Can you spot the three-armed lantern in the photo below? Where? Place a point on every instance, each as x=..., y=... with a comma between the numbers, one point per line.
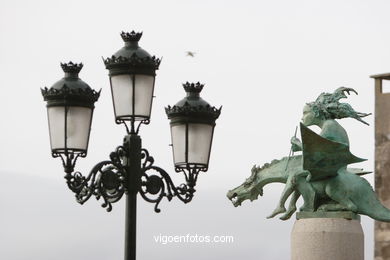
x=130, y=169
x=132, y=73
x=70, y=104
x=192, y=128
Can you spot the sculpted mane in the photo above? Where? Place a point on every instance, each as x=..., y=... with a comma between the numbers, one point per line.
x=327, y=106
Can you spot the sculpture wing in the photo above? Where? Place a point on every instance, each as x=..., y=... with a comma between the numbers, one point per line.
x=357, y=171
x=323, y=157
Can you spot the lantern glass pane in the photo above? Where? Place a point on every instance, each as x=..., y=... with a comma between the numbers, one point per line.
x=178, y=133
x=199, y=143
x=122, y=95
x=56, y=117
x=78, y=127
x=144, y=86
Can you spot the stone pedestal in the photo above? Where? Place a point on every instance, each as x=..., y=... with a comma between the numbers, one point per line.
x=327, y=238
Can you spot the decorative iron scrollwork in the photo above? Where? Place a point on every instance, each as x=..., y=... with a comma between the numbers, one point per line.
x=157, y=184
x=105, y=180
x=131, y=127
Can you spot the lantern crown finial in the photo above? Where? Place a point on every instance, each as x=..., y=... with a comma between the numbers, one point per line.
x=71, y=67
x=131, y=36
x=131, y=58
x=193, y=87
x=70, y=90
x=192, y=107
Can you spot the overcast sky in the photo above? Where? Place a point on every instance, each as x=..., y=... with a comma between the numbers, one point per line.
x=261, y=60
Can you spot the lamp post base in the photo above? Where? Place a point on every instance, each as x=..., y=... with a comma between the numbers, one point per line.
x=327, y=238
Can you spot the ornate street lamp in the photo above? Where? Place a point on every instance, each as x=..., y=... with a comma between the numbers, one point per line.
x=192, y=128
x=70, y=104
x=131, y=169
x=132, y=72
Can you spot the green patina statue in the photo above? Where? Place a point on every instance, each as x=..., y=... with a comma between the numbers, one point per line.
x=320, y=174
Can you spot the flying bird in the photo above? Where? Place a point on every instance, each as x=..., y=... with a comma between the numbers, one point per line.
x=191, y=53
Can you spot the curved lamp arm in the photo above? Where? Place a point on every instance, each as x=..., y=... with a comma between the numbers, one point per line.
x=105, y=180
x=157, y=184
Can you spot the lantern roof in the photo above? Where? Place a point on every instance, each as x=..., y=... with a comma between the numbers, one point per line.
x=70, y=90
x=131, y=58
x=193, y=108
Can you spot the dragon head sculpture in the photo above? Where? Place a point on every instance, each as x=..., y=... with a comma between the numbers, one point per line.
x=249, y=190
x=261, y=176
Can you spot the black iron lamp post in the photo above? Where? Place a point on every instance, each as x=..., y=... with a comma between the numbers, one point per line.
x=130, y=169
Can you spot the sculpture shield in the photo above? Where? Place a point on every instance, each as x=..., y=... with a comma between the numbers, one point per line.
x=323, y=157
